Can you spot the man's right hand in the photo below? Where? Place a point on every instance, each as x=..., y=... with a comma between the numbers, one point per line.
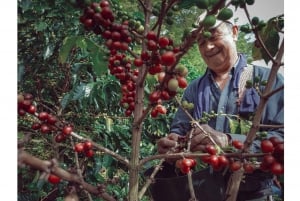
x=166, y=143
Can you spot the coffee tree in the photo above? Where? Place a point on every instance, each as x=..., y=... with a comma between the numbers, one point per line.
x=129, y=70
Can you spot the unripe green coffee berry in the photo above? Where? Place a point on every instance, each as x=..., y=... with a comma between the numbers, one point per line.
x=245, y=28
x=202, y=4
x=225, y=14
x=255, y=21
x=250, y=2
x=206, y=34
x=209, y=21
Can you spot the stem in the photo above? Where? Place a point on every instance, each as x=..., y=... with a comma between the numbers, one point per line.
x=137, y=125
x=151, y=178
x=25, y=158
x=196, y=155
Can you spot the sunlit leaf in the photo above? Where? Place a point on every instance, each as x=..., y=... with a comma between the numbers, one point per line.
x=234, y=126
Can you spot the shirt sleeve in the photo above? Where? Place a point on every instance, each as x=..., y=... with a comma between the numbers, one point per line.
x=181, y=122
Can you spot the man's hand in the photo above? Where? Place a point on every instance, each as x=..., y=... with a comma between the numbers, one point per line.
x=200, y=140
x=166, y=143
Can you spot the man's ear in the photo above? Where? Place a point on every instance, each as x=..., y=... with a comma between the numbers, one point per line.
x=235, y=32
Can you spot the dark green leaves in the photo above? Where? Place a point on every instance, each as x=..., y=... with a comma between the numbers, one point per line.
x=96, y=53
x=270, y=37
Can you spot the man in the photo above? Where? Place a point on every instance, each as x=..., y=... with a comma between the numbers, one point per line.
x=218, y=90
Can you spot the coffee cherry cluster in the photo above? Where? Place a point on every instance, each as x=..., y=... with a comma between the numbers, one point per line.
x=84, y=147
x=48, y=123
x=214, y=159
x=186, y=164
x=159, y=57
x=274, y=160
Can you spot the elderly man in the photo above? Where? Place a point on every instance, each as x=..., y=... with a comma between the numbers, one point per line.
x=219, y=90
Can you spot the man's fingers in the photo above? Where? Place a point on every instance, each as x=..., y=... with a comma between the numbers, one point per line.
x=199, y=147
x=165, y=144
x=197, y=140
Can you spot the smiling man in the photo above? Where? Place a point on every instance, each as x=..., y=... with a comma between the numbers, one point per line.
x=221, y=90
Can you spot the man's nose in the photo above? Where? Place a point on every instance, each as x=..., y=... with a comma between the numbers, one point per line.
x=209, y=45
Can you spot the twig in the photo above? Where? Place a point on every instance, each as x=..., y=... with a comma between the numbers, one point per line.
x=151, y=178
x=49, y=166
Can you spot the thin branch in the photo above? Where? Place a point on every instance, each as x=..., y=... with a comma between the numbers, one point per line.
x=151, y=178
x=268, y=95
x=25, y=158
x=195, y=155
x=258, y=36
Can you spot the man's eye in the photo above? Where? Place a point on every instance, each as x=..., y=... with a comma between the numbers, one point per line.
x=213, y=38
x=201, y=42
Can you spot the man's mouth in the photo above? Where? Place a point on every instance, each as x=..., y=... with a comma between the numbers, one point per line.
x=211, y=54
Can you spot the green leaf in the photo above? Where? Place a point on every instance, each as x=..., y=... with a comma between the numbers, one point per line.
x=40, y=26
x=234, y=126
x=68, y=44
x=256, y=53
x=186, y=4
x=270, y=37
x=65, y=100
x=99, y=64
x=245, y=126
x=107, y=161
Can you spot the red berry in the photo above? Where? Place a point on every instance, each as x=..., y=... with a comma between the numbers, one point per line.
x=51, y=119
x=67, y=130
x=205, y=159
x=53, y=179
x=182, y=82
x=45, y=128
x=237, y=144
x=248, y=167
x=43, y=116
x=268, y=160
x=168, y=58
x=214, y=161
x=266, y=146
x=279, y=149
x=36, y=126
x=185, y=169
x=152, y=45
x=104, y=3
x=79, y=147
x=21, y=112
x=236, y=165
x=223, y=161
x=138, y=62
x=187, y=162
x=89, y=153
x=275, y=140
x=31, y=109
x=60, y=138
x=88, y=145
x=154, y=113
x=163, y=41
x=151, y=35
x=161, y=109
x=277, y=169
x=211, y=149
x=154, y=96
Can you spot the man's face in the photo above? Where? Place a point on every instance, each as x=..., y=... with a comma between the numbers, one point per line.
x=219, y=51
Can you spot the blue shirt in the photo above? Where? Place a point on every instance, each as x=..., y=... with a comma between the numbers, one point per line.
x=204, y=93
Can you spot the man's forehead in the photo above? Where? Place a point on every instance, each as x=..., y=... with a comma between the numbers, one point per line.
x=217, y=30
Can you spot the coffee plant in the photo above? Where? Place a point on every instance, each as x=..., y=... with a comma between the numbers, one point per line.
x=95, y=94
